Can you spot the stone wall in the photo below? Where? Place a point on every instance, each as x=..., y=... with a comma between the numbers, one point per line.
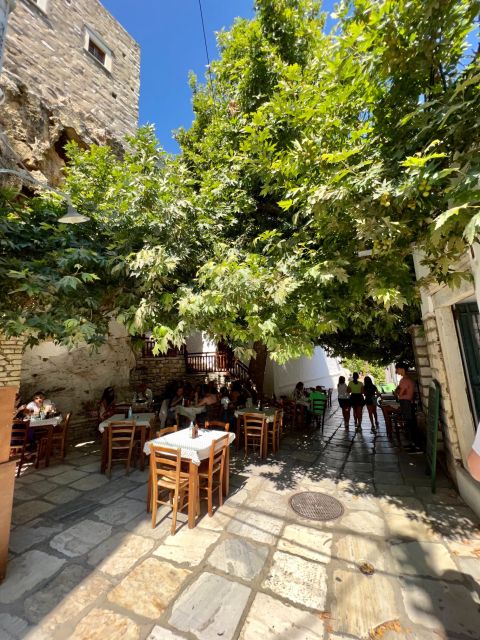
x=422, y=363
x=438, y=372
x=57, y=91
x=157, y=372
x=75, y=380
x=10, y=361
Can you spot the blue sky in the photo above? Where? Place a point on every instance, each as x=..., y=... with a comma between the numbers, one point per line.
x=170, y=35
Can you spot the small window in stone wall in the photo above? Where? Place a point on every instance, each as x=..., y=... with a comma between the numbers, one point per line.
x=98, y=49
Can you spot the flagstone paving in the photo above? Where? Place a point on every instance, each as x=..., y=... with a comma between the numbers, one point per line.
x=86, y=564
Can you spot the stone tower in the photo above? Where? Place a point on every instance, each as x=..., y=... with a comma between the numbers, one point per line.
x=70, y=72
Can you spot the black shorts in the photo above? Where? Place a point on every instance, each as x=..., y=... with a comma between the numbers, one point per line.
x=344, y=403
x=357, y=400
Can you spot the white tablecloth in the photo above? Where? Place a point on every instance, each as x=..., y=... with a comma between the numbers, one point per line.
x=142, y=420
x=268, y=413
x=36, y=422
x=190, y=412
x=194, y=449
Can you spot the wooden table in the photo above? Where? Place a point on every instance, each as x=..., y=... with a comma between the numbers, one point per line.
x=268, y=413
x=389, y=407
x=193, y=451
x=143, y=423
x=47, y=425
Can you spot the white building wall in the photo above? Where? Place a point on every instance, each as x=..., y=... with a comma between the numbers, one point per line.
x=320, y=369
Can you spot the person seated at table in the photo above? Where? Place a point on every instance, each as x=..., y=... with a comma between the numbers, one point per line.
x=107, y=407
x=20, y=412
x=209, y=396
x=177, y=401
x=144, y=393
x=299, y=395
x=40, y=407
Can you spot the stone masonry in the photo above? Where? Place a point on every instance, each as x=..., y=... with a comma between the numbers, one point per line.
x=56, y=90
x=10, y=361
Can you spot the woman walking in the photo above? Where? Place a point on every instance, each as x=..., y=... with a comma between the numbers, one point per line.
x=355, y=387
x=370, y=393
x=344, y=400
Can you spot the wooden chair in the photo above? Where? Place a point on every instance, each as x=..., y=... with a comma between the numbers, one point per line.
x=254, y=428
x=318, y=408
x=167, y=430
x=273, y=431
x=59, y=439
x=121, y=435
x=18, y=443
x=211, y=475
x=217, y=424
x=289, y=414
x=166, y=475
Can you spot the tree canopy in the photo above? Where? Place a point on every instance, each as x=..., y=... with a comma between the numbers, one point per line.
x=316, y=163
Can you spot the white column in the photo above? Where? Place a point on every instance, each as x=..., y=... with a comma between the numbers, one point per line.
x=5, y=7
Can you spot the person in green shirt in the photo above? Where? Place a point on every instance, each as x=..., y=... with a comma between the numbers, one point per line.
x=355, y=387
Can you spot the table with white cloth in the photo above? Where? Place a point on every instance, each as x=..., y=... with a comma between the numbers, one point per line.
x=193, y=451
x=268, y=413
x=143, y=422
x=46, y=426
x=190, y=412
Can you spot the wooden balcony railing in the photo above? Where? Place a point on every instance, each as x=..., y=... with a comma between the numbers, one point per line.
x=208, y=362
x=147, y=350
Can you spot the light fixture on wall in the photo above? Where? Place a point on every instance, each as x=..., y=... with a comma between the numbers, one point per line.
x=71, y=217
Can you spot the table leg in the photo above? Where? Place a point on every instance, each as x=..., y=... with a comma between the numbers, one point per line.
x=265, y=441
x=193, y=505
x=239, y=431
x=226, y=473
x=149, y=492
x=49, y=445
x=104, y=452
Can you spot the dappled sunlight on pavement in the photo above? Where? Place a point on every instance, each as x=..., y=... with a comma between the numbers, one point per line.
x=400, y=563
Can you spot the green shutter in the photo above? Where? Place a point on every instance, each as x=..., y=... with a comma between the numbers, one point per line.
x=468, y=322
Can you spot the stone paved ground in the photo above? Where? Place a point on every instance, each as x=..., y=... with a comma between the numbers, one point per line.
x=86, y=564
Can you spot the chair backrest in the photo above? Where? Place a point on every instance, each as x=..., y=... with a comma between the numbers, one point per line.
x=167, y=430
x=19, y=433
x=278, y=419
x=165, y=462
x=121, y=433
x=217, y=424
x=218, y=450
x=318, y=404
x=254, y=421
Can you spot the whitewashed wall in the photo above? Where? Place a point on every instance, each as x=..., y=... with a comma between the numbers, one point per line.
x=320, y=369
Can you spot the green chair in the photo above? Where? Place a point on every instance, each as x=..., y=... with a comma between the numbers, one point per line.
x=318, y=408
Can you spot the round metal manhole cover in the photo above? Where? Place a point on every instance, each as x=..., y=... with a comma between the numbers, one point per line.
x=316, y=506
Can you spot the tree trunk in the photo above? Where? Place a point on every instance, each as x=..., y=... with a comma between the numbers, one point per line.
x=257, y=366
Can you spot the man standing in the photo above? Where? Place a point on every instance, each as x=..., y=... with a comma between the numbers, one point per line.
x=406, y=394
